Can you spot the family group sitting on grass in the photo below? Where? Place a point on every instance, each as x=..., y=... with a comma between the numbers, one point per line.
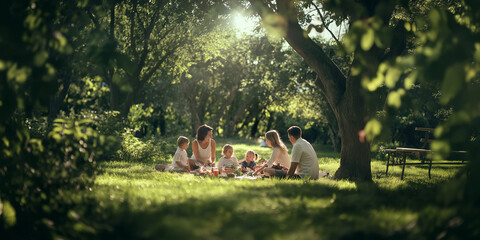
x=302, y=164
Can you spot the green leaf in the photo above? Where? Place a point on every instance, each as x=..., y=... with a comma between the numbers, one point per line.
x=435, y=17
x=372, y=84
x=40, y=58
x=61, y=39
x=440, y=149
x=3, y=65
x=9, y=215
x=19, y=74
x=410, y=80
x=368, y=38
x=393, y=74
x=373, y=129
x=452, y=82
x=408, y=26
x=394, y=98
x=85, y=121
x=59, y=120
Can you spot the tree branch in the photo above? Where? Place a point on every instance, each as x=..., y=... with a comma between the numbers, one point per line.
x=112, y=21
x=94, y=20
x=333, y=82
x=148, y=32
x=133, y=43
x=150, y=73
x=324, y=24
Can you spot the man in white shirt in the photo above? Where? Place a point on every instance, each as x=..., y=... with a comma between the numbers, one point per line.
x=304, y=161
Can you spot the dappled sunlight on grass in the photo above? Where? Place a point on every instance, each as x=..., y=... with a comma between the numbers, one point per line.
x=153, y=204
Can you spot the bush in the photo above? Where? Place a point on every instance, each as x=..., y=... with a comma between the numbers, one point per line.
x=146, y=149
x=37, y=176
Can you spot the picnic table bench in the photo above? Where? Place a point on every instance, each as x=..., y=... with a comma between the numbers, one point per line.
x=398, y=156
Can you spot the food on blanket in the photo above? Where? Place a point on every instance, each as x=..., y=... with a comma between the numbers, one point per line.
x=238, y=171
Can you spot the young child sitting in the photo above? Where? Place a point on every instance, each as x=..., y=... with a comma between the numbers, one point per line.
x=249, y=161
x=227, y=160
x=180, y=159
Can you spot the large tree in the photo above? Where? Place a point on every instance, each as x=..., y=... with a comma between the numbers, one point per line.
x=144, y=35
x=343, y=93
x=395, y=46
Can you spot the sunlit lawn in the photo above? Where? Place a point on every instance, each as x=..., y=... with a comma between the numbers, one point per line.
x=133, y=201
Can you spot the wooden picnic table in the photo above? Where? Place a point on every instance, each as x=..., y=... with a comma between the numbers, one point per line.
x=398, y=156
x=425, y=140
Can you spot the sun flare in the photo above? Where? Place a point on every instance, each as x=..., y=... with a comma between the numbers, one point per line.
x=244, y=24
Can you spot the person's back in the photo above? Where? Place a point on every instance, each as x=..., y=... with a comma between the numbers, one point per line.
x=305, y=155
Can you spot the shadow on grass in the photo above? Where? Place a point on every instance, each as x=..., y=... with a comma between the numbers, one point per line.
x=288, y=210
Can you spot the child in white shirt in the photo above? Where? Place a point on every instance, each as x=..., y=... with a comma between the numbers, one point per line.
x=180, y=159
x=227, y=160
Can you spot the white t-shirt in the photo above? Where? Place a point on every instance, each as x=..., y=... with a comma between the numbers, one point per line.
x=227, y=162
x=279, y=156
x=306, y=157
x=180, y=156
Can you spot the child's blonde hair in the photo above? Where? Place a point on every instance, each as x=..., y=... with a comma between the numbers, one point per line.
x=182, y=140
x=226, y=147
x=254, y=154
x=274, y=138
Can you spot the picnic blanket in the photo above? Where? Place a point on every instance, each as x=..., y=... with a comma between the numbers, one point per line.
x=247, y=177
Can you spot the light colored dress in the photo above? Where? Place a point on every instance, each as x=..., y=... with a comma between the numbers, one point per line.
x=227, y=162
x=279, y=156
x=205, y=154
x=306, y=157
x=180, y=156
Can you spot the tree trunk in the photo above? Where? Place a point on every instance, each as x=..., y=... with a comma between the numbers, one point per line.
x=58, y=99
x=346, y=102
x=334, y=138
x=270, y=121
x=342, y=94
x=162, y=124
x=332, y=123
x=233, y=117
x=114, y=96
x=254, y=129
x=355, y=155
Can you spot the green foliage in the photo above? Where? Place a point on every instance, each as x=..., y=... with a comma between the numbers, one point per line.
x=138, y=115
x=145, y=150
x=109, y=123
x=433, y=46
x=36, y=185
x=38, y=167
x=88, y=93
x=231, y=81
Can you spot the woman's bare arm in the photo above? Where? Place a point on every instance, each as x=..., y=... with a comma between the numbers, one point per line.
x=213, y=148
x=196, y=153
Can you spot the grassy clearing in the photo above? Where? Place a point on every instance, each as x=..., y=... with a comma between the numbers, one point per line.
x=132, y=200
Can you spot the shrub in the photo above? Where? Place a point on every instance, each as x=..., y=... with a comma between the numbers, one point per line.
x=145, y=150
x=38, y=174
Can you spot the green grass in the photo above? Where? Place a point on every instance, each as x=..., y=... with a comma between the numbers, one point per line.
x=133, y=201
